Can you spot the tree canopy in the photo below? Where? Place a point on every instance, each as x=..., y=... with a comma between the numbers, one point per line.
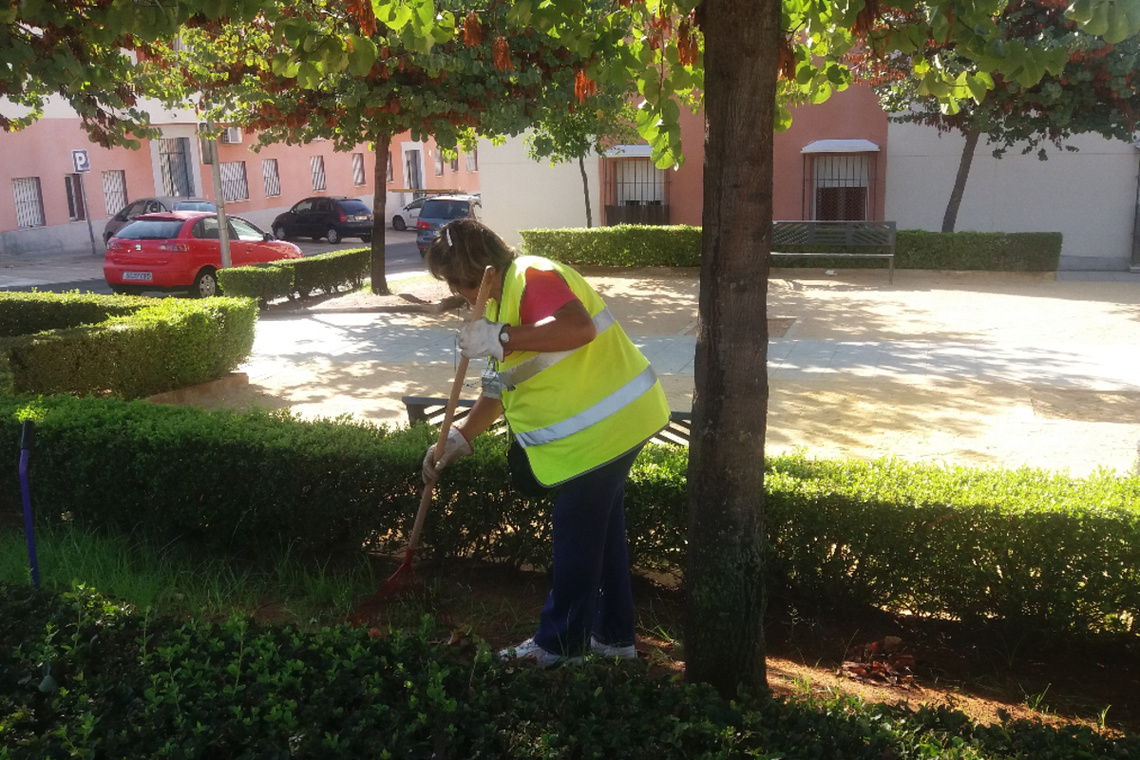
x=1089, y=86
x=744, y=57
x=339, y=72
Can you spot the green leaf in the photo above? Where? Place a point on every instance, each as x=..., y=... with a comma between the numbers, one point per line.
x=363, y=55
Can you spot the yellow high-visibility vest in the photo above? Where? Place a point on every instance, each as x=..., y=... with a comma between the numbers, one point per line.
x=574, y=411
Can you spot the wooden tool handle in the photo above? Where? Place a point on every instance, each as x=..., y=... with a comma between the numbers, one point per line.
x=449, y=411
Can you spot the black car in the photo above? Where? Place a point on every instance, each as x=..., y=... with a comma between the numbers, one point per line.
x=330, y=217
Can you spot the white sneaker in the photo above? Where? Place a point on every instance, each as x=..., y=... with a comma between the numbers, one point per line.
x=627, y=652
x=532, y=652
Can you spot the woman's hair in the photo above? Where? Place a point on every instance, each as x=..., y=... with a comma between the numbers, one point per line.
x=463, y=250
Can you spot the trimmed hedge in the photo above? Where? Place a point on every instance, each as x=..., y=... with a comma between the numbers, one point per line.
x=1062, y=553
x=626, y=245
x=680, y=246
x=989, y=251
x=327, y=272
x=27, y=313
x=265, y=282
x=145, y=346
x=86, y=676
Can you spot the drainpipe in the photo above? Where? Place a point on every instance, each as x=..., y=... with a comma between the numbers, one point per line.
x=1134, y=266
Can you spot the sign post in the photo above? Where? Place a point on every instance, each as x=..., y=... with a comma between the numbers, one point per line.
x=82, y=164
x=210, y=156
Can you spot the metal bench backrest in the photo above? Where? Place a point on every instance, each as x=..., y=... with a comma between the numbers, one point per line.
x=816, y=233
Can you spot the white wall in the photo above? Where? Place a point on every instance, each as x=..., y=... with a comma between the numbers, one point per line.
x=1088, y=196
x=520, y=194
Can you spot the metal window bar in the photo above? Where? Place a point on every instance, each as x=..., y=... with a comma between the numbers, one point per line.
x=29, y=202
x=75, y=204
x=114, y=191
x=174, y=164
x=235, y=187
x=455, y=164
x=473, y=160
x=317, y=167
x=271, y=178
x=839, y=186
x=389, y=176
x=358, y=169
x=438, y=162
x=636, y=191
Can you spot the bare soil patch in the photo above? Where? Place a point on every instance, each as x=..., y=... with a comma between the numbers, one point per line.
x=988, y=673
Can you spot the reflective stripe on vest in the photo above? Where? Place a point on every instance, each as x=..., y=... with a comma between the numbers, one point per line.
x=612, y=404
x=520, y=373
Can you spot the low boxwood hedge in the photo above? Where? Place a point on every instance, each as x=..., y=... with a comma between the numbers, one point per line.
x=326, y=272
x=265, y=282
x=1025, y=545
x=85, y=676
x=139, y=346
x=680, y=246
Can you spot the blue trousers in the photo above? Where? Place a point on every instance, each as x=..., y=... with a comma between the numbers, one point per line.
x=591, y=592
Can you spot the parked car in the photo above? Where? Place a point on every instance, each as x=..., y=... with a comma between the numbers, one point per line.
x=135, y=209
x=181, y=250
x=407, y=216
x=331, y=217
x=440, y=210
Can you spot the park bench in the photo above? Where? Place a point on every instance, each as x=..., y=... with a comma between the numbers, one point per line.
x=431, y=410
x=850, y=240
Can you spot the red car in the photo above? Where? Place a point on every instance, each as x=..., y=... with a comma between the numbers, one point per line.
x=180, y=250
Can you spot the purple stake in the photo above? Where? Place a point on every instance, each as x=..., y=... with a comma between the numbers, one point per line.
x=27, y=435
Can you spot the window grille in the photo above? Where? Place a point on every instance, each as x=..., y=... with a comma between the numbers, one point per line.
x=115, y=191
x=455, y=164
x=438, y=162
x=76, y=208
x=271, y=178
x=174, y=162
x=317, y=165
x=473, y=160
x=389, y=177
x=29, y=202
x=636, y=192
x=234, y=184
x=840, y=185
x=358, y=169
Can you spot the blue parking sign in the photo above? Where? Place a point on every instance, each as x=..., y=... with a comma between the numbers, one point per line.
x=80, y=161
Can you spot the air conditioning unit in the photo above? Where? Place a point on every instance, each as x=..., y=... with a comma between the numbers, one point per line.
x=231, y=136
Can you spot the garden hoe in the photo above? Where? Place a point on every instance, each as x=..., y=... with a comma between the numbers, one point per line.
x=405, y=575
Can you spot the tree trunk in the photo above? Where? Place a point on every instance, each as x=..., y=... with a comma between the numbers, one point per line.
x=380, y=213
x=586, y=190
x=951, y=216
x=724, y=576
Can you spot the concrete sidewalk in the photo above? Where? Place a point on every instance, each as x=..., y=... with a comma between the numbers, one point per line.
x=957, y=368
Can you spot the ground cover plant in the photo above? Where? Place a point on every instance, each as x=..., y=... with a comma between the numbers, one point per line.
x=85, y=675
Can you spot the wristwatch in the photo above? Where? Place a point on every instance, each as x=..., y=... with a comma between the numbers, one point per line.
x=505, y=335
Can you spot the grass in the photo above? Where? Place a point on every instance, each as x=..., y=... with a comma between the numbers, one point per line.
x=173, y=581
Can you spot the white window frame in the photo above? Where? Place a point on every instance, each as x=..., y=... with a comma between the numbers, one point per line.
x=271, y=177
x=317, y=169
x=29, y=202
x=235, y=185
x=114, y=191
x=358, y=176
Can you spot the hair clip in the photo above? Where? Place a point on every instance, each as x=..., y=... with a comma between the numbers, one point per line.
x=447, y=234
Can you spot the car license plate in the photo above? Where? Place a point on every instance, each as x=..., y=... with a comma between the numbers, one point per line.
x=145, y=276
x=360, y=218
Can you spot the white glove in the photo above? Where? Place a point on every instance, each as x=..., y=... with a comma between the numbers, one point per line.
x=481, y=338
x=455, y=446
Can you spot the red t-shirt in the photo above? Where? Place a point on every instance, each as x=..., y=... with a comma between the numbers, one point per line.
x=545, y=293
